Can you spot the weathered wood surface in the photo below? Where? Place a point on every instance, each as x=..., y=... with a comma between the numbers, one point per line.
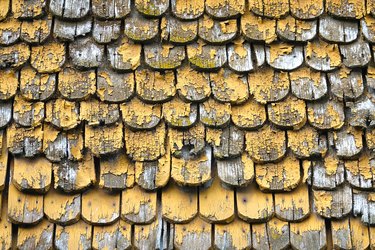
x=73, y=176
x=35, y=86
x=38, y=237
x=333, y=204
x=138, y=206
x=227, y=143
x=254, y=205
x=216, y=32
x=68, y=31
x=85, y=53
x=177, y=31
x=70, y=9
x=62, y=208
x=116, y=172
x=238, y=171
x=105, y=32
x=75, y=236
x=108, y=9
x=266, y=145
x=336, y=30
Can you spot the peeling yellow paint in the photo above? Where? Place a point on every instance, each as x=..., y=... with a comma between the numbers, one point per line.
x=48, y=58
x=258, y=28
x=228, y=86
x=8, y=83
x=135, y=200
x=265, y=84
x=37, y=178
x=283, y=176
x=323, y=50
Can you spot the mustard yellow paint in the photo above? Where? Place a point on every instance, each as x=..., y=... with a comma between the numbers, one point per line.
x=100, y=206
x=179, y=205
x=36, y=178
x=258, y=28
x=8, y=84
x=216, y=203
x=48, y=58
x=38, y=233
x=135, y=199
x=79, y=234
x=63, y=111
x=254, y=205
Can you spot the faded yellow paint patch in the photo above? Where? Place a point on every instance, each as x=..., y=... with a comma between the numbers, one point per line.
x=74, y=83
x=254, y=205
x=32, y=237
x=163, y=169
x=9, y=26
x=359, y=234
x=323, y=50
x=237, y=232
x=48, y=58
x=37, y=178
x=361, y=167
x=266, y=144
x=237, y=5
x=146, y=145
x=185, y=233
x=4, y=9
x=5, y=226
x=311, y=224
x=228, y=86
x=179, y=205
x=129, y=52
x=118, y=166
x=322, y=201
x=194, y=171
x=258, y=28
x=62, y=113
x=249, y=115
x=178, y=113
x=62, y=207
x=279, y=49
x=332, y=118
x=296, y=200
x=155, y=86
x=25, y=8
x=216, y=203
x=191, y=83
x=119, y=234
x=305, y=142
x=337, y=7
x=138, y=206
x=341, y=233
x=23, y=207
x=16, y=135
x=75, y=236
x=138, y=112
x=36, y=30
x=305, y=73
x=8, y=83
x=265, y=83
x=307, y=7
x=283, y=176
x=290, y=112
x=18, y=54
x=84, y=175
x=104, y=139
x=3, y=160
x=190, y=7
x=100, y=207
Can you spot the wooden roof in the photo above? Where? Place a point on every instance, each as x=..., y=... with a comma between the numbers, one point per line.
x=187, y=124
